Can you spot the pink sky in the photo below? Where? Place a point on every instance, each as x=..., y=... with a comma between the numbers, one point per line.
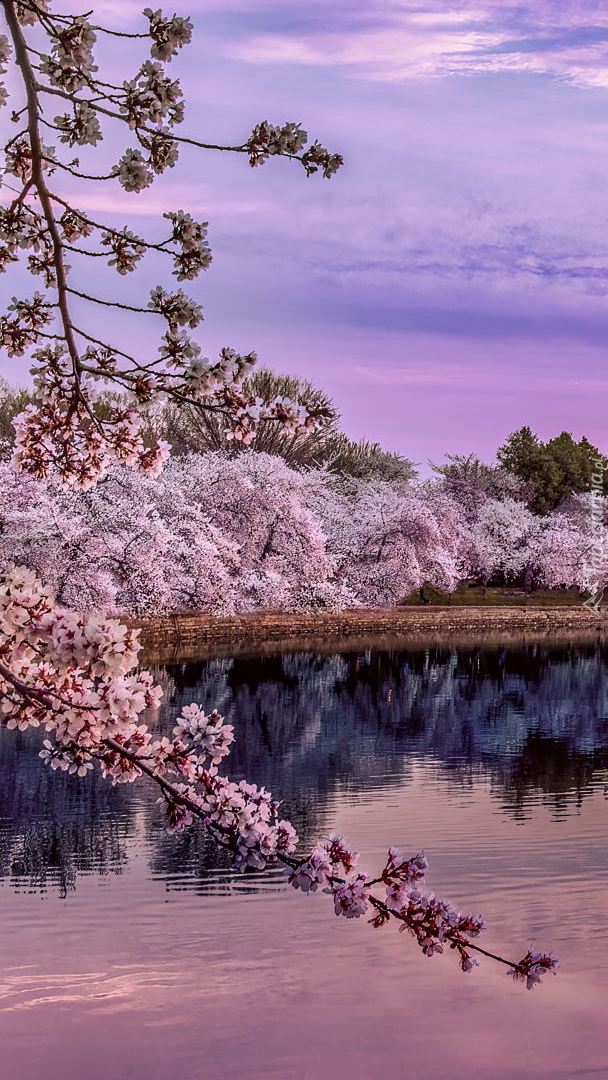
x=449, y=283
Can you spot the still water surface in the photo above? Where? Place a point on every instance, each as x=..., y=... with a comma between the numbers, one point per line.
x=130, y=953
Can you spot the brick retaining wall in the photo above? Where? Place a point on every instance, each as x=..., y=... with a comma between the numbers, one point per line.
x=188, y=633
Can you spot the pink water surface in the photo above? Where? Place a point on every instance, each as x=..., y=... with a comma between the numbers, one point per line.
x=149, y=978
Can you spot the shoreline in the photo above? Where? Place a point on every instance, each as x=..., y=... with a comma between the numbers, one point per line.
x=184, y=635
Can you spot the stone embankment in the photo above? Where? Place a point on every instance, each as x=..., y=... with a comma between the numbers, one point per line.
x=188, y=634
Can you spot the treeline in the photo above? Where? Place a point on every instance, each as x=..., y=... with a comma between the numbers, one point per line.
x=223, y=534
x=308, y=521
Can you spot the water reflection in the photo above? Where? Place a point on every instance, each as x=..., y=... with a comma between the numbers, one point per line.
x=493, y=760
x=534, y=721
x=55, y=827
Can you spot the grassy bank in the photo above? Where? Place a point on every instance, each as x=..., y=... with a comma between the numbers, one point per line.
x=467, y=595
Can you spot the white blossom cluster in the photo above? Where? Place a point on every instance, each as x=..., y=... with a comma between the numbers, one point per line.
x=204, y=378
x=74, y=225
x=26, y=14
x=292, y=417
x=317, y=157
x=162, y=148
x=248, y=413
x=177, y=308
x=127, y=249
x=191, y=235
x=533, y=967
x=207, y=733
x=71, y=60
x=22, y=330
x=133, y=171
x=168, y=35
x=178, y=350
x=18, y=158
x=243, y=425
x=312, y=873
x=351, y=897
x=81, y=127
x=21, y=229
x=246, y=816
x=328, y=858
x=266, y=140
x=74, y=44
x=151, y=97
x=398, y=876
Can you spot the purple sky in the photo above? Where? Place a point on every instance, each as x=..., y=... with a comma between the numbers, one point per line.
x=449, y=283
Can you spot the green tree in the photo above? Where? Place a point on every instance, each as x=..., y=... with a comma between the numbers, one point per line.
x=553, y=470
x=190, y=430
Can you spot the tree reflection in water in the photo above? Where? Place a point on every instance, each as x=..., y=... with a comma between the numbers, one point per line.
x=534, y=720
x=55, y=827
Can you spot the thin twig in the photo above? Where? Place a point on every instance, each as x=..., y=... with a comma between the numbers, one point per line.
x=111, y=303
x=108, y=229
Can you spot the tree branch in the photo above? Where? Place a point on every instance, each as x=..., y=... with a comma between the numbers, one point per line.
x=38, y=180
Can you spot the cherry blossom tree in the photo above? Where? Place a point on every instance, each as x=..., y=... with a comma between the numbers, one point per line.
x=129, y=545
x=74, y=674
x=386, y=541
x=499, y=539
x=571, y=546
x=568, y=547
x=261, y=505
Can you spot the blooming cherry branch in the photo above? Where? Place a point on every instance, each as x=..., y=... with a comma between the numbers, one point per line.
x=66, y=433
x=73, y=675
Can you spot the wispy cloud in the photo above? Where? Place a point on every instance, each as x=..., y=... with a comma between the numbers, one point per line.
x=461, y=254
x=405, y=39
x=154, y=203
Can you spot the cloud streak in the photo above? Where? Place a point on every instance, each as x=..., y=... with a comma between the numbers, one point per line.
x=395, y=41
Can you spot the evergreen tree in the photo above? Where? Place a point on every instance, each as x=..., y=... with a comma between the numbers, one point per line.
x=553, y=470
x=191, y=429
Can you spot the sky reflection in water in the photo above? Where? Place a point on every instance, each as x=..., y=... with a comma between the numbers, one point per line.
x=141, y=955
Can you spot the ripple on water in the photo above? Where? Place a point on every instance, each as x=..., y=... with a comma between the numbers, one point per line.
x=145, y=956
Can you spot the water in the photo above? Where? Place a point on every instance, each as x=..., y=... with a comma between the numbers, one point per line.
x=130, y=953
